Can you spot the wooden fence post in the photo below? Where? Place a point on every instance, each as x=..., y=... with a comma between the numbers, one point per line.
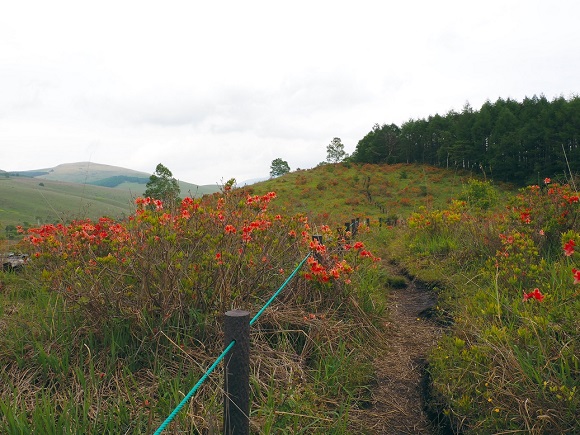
x=237, y=373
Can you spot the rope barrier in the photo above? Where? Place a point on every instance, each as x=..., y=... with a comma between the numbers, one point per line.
x=275, y=295
x=219, y=359
x=194, y=389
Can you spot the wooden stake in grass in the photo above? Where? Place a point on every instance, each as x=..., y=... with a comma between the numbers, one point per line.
x=237, y=373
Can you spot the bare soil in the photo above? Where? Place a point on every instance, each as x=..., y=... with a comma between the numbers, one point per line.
x=398, y=399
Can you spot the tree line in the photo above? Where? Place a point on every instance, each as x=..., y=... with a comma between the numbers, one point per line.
x=518, y=142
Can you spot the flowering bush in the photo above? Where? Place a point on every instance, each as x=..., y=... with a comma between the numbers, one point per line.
x=518, y=264
x=513, y=352
x=438, y=220
x=544, y=212
x=206, y=255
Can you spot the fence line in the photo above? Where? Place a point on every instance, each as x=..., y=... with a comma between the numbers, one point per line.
x=275, y=295
x=230, y=346
x=189, y=395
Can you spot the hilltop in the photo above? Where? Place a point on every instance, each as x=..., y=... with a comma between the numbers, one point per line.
x=337, y=193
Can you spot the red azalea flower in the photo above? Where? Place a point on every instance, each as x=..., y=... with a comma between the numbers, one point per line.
x=576, y=274
x=525, y=217
x=547, y=180
x=534, y=295
x=569, y=248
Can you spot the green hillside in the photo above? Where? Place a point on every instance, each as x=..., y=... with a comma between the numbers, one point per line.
x=80, y=172
x=29, y=200
x=341, y=192
x=74, y=190
x=107, y=176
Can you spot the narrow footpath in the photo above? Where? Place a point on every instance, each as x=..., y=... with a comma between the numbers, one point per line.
x=398, y=398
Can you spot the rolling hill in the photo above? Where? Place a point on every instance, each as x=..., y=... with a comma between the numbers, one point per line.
x=74, y=190
x=107, y=176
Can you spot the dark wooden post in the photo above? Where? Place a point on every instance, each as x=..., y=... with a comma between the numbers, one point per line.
x=237, y=373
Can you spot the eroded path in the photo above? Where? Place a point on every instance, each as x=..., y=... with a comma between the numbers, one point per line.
x=398, y=400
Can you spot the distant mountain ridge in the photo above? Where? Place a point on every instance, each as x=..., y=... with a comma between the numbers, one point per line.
x=98, y=174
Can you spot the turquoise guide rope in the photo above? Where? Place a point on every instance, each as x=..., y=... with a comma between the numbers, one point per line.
x=194, y=389
x=275, y=295
x=219, y=359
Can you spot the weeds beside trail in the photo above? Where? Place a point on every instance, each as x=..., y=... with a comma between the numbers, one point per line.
x=411, y=332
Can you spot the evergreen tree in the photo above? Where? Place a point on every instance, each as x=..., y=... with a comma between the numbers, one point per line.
x=335, y=151
x=279, y=167
x=518, y=142
x=163, y=186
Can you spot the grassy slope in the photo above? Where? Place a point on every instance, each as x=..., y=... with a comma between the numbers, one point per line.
x=66, y=192
x=333, y=194
x=25, y=200
x=87, y=172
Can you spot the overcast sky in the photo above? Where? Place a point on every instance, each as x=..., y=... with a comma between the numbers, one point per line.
x=219, y=89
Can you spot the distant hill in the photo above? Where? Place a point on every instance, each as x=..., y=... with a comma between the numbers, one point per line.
x=107, y=176
x=74, y=190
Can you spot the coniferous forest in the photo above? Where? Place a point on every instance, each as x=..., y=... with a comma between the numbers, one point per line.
x=518, y=142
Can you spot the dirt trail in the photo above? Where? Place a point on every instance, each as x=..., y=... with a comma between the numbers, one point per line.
x=411, y=332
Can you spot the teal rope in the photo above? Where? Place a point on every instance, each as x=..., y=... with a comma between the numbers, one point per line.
x=278, y=291
x=194, y=389
x=224, y=353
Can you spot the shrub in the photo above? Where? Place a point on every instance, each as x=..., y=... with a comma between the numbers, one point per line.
x=479, y=194
x=210, y=255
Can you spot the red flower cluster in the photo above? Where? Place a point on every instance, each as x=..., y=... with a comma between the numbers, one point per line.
x=315, y=245
x=535, y=294
x=569, y=248
x=525, y=217
x=576, y=274
x=260, y=201
x=321, y=274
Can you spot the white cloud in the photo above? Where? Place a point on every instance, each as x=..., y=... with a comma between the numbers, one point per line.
x=219, y=89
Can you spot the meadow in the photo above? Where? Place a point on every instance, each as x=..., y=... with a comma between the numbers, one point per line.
x=113, y=321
